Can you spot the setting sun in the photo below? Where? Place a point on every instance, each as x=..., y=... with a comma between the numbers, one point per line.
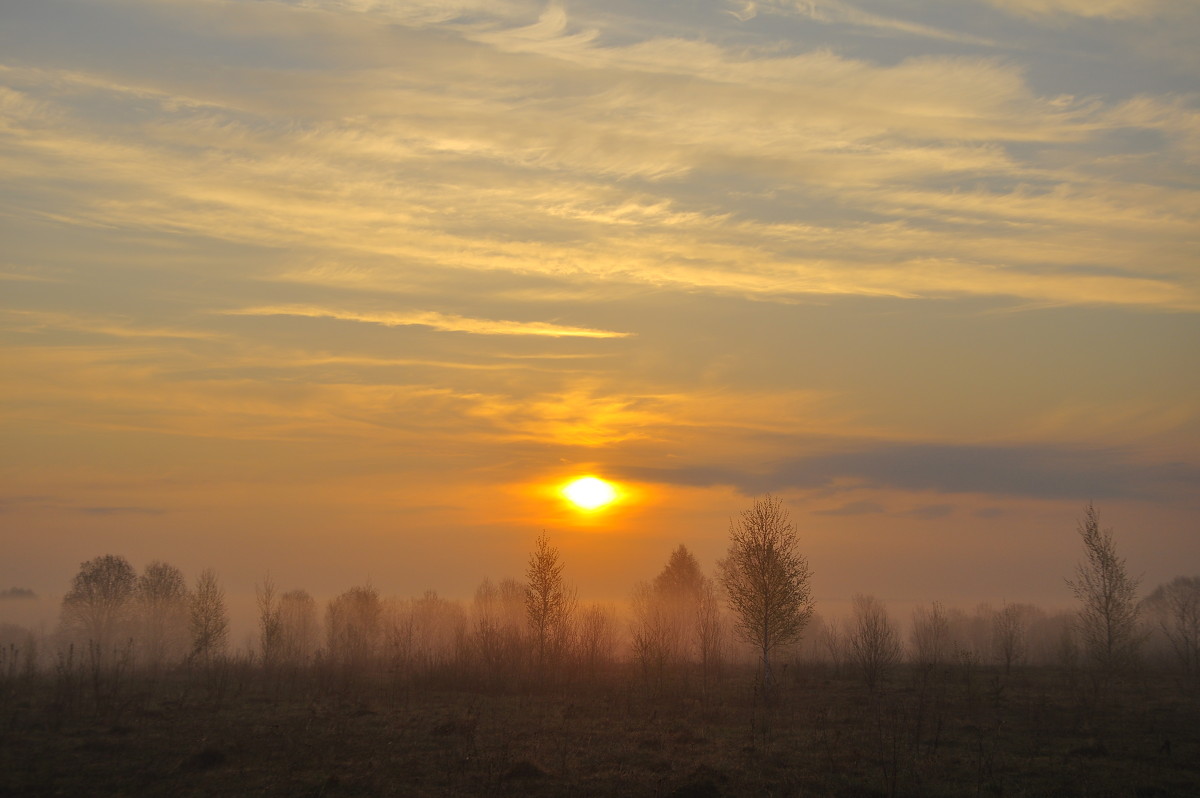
x=589, y=493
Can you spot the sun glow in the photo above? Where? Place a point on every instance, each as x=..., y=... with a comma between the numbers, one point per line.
x=589, y=493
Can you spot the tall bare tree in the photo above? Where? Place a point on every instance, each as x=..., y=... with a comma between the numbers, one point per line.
x=98, y=605
x=161, y=596
x=270, y=621
x=1107, y=621
x=766, y=579
x=710, y=632
x=548, y=602
x=208, y=617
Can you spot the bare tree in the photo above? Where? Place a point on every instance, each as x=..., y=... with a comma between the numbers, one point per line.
x=657, y=634
x=596, y=637
x=97, y=607
x=548, y=602
x=1176, y=608
x=270, y=621
x=931, y=643
x=1010, y=634
x=833, y=640
x=1107, y=620
x=424, y=635
x=208, y=617
x=298, y=626
x=353, y=622
x=766, y=580
x=874, y=644
x=161, y=596
x=710, y=632
x=499, y=617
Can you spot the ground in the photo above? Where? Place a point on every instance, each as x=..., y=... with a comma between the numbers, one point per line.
x=239, y=730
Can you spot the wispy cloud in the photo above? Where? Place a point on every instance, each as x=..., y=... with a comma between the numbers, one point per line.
x=1104, y=9
x=837, y=11
x=444, y=322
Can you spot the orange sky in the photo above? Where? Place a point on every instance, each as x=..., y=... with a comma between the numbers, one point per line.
x=345, y=290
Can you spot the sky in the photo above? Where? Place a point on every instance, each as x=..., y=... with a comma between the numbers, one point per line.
x=343, y=290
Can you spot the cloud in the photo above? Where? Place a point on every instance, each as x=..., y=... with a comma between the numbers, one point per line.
x=1033, y=471
x=658, y=161
x=990, y=512
x=1102, y=9
x=853, y=508
x=929, y=512
x=836, y=11
x=443, y=322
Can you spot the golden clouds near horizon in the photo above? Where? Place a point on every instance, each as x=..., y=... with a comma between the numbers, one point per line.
x=589, y=493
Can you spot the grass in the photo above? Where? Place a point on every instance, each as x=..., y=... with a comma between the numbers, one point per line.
x=235, y=730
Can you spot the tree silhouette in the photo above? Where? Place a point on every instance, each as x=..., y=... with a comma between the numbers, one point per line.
x=1176, y=607
x=930, y=635
x=298, y=626
x=162, y=602
x=681, y=576
x=353, y=621
x=1107, y=619
x=270, y=621
x=548, y=602
x=766, y=579
x=208, y=618
x=97, y=605
x=873, y=642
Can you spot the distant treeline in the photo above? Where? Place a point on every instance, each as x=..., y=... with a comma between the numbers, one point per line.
x=520, y=630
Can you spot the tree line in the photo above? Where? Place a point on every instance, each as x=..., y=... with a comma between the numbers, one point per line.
x=684, y=623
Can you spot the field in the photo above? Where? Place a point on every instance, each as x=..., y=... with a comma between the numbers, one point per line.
x=235, y=729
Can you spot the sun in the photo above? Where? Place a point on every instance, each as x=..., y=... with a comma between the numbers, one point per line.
x=589, y=493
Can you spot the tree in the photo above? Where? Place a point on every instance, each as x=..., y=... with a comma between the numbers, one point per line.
x=1176, y=608
x=499, y=617
x=353, y=622
x=874, y=644
x=98, y=604
x=548, y=602
x=207, y=617
x=1107, y=619
x=1010, y=634
x=298, y=626
x=710, y=632
x=270, y=622
x=681, y=576
x=597, y=637
x=766, y=580
x=657, y=634
x=666, y=614
x=162, y=602
x=930, y=635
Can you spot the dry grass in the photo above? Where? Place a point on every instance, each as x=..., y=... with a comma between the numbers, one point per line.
x=234, y=730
